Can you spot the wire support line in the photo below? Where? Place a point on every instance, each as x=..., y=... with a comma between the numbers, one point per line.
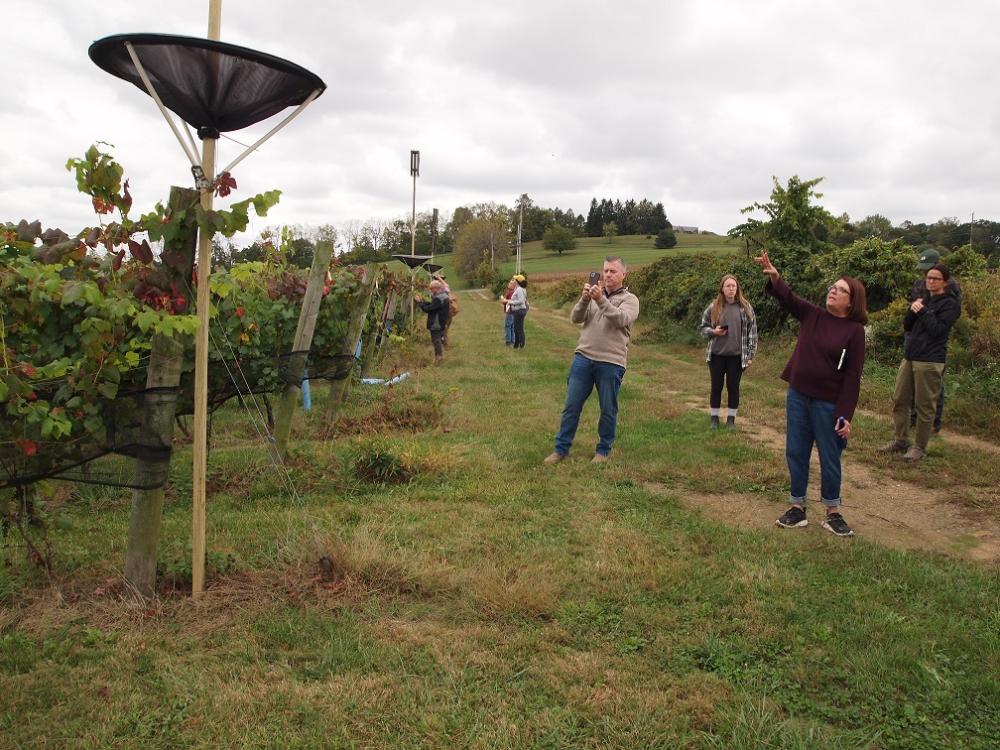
x=250, y=149
x=191, y=155
x=265, y=435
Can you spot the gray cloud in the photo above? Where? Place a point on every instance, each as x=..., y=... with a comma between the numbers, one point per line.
x=696, y=104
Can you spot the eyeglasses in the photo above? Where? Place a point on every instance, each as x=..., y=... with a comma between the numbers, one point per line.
x=840, y=290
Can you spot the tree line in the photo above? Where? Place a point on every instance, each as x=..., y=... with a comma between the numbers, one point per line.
x=483, y=234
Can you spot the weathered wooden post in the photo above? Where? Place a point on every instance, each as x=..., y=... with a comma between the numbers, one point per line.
x=163, y=379
x=303, y=340
x=350, y=343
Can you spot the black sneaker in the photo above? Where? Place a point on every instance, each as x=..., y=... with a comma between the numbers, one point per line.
x=793, y=518
x=836, y=524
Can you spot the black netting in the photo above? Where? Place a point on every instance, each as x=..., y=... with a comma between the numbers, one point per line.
x=125, y=431
x=208, y=83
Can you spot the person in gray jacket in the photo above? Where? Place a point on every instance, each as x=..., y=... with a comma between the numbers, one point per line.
x=730, y=326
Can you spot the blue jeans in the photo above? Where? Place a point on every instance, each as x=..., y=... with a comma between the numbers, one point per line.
x=808, y=421
x=584, y=374
x=508, y=328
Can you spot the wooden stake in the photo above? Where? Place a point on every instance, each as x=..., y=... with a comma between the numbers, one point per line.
x=201, y=350
x=303, y=341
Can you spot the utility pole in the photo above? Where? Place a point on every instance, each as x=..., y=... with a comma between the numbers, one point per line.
x=971, y=225
x=520, y=221
x=434, y=231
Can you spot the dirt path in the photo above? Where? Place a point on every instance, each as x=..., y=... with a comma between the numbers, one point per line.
x=895, y=513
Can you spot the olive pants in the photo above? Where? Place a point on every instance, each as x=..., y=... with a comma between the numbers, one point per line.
x=917, y=383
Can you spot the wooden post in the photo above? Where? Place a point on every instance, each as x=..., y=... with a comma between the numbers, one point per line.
x=303, y=340
x=350, y=343
x=159, y=409
x=201, y=351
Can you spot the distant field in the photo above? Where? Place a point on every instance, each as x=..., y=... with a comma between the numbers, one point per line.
x=589, y=254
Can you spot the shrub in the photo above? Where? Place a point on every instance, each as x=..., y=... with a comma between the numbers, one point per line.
x=376, y=462
x=966, y=263
x=981, y=309
x=565, y=291
x=666, y=239
x=887, y=269
x=486, y=276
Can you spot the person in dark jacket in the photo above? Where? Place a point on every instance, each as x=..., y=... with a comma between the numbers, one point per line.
x=437, y=316
x=824, y=380
x=929, y=258
x=928, y=324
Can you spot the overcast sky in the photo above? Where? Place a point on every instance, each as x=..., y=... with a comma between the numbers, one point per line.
x=695, y=104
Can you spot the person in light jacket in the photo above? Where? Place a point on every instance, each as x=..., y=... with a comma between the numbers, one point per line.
x=607, y=314
x=730, y=326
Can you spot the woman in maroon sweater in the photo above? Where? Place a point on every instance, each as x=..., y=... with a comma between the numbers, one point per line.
x=824, y=379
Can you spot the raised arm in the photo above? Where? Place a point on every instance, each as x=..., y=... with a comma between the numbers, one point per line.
x=777, y=288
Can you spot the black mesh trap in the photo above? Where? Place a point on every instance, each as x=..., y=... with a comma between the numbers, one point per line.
x=211, y=85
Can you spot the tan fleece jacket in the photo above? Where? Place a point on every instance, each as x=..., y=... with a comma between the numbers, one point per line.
x=607, y=326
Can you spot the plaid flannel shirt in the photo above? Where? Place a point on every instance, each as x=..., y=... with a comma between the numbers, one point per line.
x=748, y=339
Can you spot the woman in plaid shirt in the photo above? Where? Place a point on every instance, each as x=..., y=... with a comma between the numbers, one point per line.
x=731, y=329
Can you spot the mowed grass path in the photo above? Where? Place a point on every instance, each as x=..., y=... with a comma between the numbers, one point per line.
x=491, y=602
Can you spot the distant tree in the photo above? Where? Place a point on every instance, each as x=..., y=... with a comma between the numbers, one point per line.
x=875, y=225
x=793, y=218
x=572, y=221
x=558, y=239
x=534, y=219
x=610, y=231
x=482, y=240
x=947, y=232
x=665, y=239
x=594, y=219
x=300, y=252
x=645, y=217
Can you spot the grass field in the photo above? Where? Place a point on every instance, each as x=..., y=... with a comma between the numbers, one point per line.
x=428, y=584
x=637, y=250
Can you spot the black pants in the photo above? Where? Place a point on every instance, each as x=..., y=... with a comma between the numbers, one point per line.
x=729, y=369
x=437, y=339
x=519, y=316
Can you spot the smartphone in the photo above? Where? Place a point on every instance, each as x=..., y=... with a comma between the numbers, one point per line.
x=595, y=278
x=724, y=328
x=841, y=422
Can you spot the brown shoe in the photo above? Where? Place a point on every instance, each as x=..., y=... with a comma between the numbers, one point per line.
x=894, y=446
x=553, y=458
x=599, y=458
x=914, y=454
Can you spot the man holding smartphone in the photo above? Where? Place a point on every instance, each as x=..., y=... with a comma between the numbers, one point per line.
x=606, y=314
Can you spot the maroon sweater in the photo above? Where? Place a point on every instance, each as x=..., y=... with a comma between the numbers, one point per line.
x=815, y=368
